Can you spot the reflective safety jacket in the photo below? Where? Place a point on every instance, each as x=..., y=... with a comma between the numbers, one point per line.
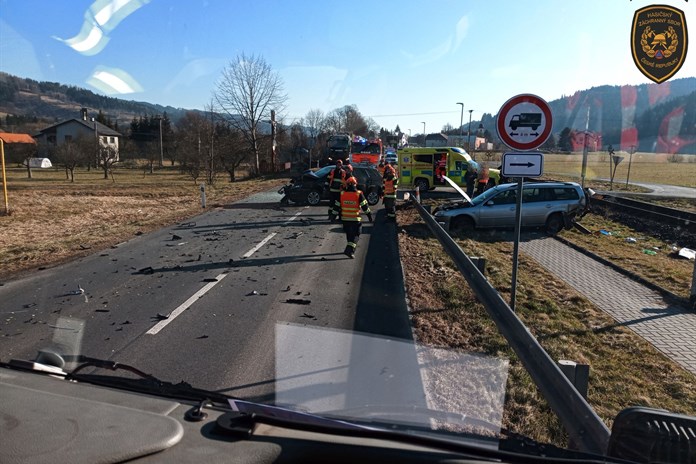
x=337, y=178
x=390, y=187
x=351, y=203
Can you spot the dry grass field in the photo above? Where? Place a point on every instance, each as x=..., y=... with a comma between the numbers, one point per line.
x=645, y=167
x=53, y=220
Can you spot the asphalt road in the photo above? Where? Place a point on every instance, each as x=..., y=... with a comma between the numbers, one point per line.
x=257, y=297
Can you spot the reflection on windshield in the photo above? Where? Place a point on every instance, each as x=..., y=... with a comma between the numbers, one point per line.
x=365, y=377
x=485, y=196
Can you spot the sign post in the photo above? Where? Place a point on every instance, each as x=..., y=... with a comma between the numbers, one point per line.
x=524, y=123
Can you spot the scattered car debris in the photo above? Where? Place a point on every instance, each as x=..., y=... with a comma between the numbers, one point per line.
x=631, y=240
x=687, y=253
x=252, y=293
x=102, y=310
x=297, y=301
x=649, y=252
x=146, y=270
x=201, y=337
x=309, y=316
x=210, y=279
x=176, y=237
x=161, y=317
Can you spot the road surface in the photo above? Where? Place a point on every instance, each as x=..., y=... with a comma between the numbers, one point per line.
x=253, y=299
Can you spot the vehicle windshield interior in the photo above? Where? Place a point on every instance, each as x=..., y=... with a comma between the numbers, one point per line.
x=510, y=277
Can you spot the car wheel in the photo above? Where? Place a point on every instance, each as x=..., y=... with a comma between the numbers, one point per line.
x=554, y=224
x=461, y=224
x=313, y=198
x=422, y=185
x=372, y=197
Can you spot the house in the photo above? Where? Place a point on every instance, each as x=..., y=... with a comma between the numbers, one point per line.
x=436, y=140
x=71, y=129
x=18, y=147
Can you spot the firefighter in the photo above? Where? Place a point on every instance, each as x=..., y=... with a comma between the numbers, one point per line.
x=482, y=181
x=381, y=168
x=336, y=179
x=352, y=201
x=348, y=168
x=391, y=182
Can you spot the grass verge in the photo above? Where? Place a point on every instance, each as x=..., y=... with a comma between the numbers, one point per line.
x=625, y=370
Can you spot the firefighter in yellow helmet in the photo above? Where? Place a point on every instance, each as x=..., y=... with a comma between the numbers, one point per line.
x=351, y=202
x=391, y=183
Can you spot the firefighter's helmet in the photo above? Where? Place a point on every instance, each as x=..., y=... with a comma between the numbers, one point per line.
x=339, y=162
x=351, y=182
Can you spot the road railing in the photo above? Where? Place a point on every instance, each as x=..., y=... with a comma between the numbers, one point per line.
x=585, y=428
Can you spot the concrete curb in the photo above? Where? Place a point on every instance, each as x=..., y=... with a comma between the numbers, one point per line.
x=671, y=297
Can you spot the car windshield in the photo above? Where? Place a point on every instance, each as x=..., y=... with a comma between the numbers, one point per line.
x=152, y=215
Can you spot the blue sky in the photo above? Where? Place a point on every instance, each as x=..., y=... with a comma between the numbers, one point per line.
x=401, y=62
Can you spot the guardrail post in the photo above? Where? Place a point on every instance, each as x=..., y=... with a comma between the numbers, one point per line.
x=692, y=297
x=480, y=263
x=578, y=374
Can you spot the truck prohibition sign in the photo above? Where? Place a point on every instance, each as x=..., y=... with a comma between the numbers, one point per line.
x=532, y=120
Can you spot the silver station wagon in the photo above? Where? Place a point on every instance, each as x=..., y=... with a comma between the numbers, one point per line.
x=552, y=205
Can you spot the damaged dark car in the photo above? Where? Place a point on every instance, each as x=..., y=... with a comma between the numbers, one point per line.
x=312, y=187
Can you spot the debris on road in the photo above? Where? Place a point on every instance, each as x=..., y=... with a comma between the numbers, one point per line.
x=102, y=310
x=297, y=301
x=252, y=293
x=210, y=279
x=146, y=270
x=309, y=316
x=687, y=253
x=631, y=240
x=176, y=237
x=161, y=317
x=201, y=337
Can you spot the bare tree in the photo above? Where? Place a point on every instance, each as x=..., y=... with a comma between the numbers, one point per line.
x=247, y=92
x=107, y=156
x=193, y=142
x=72, y=153
x=349, y=119
x=231, y=150
x=315, y=122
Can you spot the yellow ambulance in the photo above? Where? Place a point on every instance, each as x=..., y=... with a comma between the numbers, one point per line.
x=425, y=167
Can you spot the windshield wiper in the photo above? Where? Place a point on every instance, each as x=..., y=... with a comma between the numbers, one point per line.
x=146, y=383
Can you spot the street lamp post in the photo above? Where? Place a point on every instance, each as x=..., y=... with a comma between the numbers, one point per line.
x=423, y=122
x=461, y=122
x=468, y=134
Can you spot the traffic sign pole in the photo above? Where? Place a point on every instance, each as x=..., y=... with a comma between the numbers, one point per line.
x=524, y=123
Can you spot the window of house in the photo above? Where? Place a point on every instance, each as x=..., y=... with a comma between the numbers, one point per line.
x=112, y=139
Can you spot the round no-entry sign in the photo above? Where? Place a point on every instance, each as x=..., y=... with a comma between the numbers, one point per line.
x=524, y=122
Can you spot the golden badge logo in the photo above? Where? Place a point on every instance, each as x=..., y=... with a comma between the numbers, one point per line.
x=659, y=41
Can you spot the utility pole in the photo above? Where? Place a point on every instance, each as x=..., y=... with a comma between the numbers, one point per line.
x=161, y=160
x=461, y=122
x=273, y=137
x=468, y=135
x=631, y=150
x=423, y=122
x=584, y=148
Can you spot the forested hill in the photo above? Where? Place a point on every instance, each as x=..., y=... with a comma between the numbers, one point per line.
x=31, y=102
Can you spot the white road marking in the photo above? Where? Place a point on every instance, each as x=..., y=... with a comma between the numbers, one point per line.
x=270, y=236
x=185, y=305
x=259, y=245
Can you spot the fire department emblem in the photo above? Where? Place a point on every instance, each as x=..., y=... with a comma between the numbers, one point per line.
x=659, y=41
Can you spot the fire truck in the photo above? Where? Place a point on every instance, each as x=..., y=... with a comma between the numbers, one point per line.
x=366, y=152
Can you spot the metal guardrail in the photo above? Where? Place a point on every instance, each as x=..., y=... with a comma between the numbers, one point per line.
x=584, y=427
x=685, y=219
